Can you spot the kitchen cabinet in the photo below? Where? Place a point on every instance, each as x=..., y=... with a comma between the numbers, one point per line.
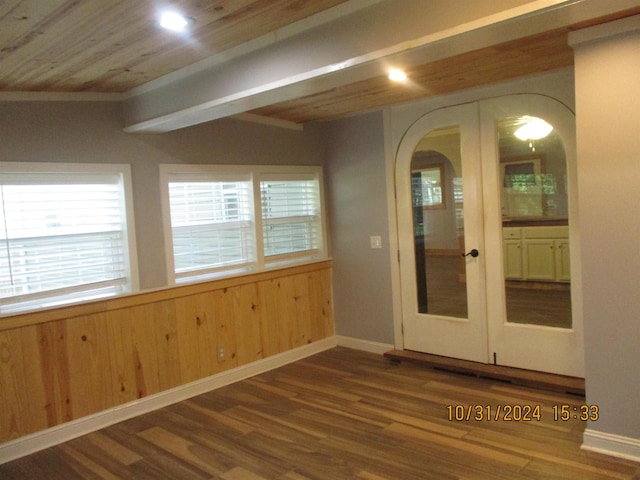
x=563, y=265
x=512, y=248
x=537, y=253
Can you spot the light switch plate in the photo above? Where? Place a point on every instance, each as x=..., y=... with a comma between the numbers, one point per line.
x=376, y=241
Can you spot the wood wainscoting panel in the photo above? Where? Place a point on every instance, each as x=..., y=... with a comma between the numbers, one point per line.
x=89, y=358
x=21, y=383
x=247, y=318
x=164, y=327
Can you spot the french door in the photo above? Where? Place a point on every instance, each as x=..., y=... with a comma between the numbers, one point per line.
x=487, y=235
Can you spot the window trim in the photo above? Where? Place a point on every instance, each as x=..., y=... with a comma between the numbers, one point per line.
x=439, y=167
x=42, y=172
x=180, y=172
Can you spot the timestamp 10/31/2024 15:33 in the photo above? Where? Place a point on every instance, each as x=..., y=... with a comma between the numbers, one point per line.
x=520, y=413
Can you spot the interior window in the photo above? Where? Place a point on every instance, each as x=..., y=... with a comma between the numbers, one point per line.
x=212, y=226
x=291, y=220
x=226, y=220
x=63, y=234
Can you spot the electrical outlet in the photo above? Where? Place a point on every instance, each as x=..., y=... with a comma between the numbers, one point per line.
x=222, y=354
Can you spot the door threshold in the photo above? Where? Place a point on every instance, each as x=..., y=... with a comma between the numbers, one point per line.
x=516, y=376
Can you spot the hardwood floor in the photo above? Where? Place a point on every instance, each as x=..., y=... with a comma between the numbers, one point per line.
x=341, y=414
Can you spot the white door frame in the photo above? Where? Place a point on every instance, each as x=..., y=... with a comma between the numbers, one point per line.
x=536, y=104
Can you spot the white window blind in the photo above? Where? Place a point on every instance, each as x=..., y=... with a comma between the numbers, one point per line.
x=290, y=215
x=211, y=225
x=62, y=238
x=223, y=220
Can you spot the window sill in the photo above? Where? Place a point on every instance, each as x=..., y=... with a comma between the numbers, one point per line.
x=34, y=317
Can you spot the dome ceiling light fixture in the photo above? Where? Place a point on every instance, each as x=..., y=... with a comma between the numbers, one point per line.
x=532, y=129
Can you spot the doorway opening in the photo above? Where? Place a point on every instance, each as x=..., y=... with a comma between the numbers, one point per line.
x=484, y=209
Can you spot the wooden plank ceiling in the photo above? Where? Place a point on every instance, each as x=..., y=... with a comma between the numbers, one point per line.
x=480, y=67
x=526, y=56
x=115, y=45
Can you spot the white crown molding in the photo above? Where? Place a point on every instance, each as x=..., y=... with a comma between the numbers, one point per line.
x=53, y=436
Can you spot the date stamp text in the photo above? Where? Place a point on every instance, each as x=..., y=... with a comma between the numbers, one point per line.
x=520, y=413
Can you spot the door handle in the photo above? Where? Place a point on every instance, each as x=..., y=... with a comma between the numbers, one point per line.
x=474, y=253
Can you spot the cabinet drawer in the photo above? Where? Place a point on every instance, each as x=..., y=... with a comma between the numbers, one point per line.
x=545, y=232
x=511, y=233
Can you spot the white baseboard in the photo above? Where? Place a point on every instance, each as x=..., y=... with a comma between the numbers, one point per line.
x=365, y=345
x=53, y=436
x=610, y=444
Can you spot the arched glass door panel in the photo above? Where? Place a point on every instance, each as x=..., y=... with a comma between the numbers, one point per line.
x=438, y=224
x=535, y=231
x=531, y=234
x=439, y=212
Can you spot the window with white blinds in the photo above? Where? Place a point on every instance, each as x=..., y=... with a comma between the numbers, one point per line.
x=63, y=234
x=212, y=226
x=291, y=221
x=221, y=220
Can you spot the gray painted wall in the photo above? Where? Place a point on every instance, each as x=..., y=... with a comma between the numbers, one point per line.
x=91, y=132
x=608, y=105
x=355, y=177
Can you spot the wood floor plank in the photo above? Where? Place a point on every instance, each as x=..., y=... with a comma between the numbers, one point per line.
x=218, y=421
x=450, y=430
x=340, y=414
x=562, y=456
x=550, y=470
x=107, y=472
x=330, y=409
x=184, y=449
x=398, y=463
x=236, y=452
x=293, y=476
x=239, y=473
x=305, y=458
x=464, y=448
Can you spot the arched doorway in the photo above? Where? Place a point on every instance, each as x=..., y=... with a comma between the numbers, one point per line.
x=496, y=236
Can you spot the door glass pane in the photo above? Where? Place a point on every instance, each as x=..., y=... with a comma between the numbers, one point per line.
x=436, y=174
x=535, y=232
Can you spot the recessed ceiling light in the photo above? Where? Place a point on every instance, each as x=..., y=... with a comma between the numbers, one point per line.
x=397, y=75
x=175, y=22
